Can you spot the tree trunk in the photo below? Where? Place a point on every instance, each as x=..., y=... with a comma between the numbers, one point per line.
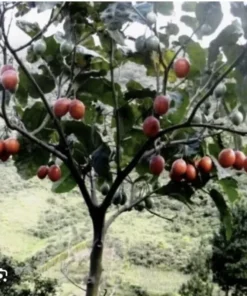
x=227, y=292
x=95, y=270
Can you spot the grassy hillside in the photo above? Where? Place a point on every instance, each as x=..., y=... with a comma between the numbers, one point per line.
x=37, y=224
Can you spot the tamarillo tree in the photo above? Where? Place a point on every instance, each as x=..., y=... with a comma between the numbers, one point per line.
x=124, y=145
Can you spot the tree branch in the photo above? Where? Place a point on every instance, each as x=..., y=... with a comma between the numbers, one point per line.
x=41, y=32
x=162, y=217
x=116, y=109
x=210, y=91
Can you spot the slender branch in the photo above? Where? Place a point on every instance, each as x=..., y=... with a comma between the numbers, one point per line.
x=116, y=111
x=42, y=144
x=168, y=68
x=178, y=142
x=160, y=216
x=93, y=187
x=65, y=273
x=41, y=32
x=210, y=91
x=220, y=127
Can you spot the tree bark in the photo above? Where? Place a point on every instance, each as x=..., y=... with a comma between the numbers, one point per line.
x=96, y=255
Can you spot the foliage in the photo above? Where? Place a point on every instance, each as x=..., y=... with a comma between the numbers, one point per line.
x=24, y=281
x=228, y=259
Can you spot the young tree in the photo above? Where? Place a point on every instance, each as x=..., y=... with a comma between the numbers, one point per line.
x=101, y=137
x=228, y=259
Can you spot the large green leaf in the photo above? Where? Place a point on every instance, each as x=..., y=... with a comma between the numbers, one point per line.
x=238, y=9
x=183, y=192
x=31, y=29
x=101, y=160
x=180, y=101
x=101, y=89
x=66, y=183
x=209, y=13
x=230, y=187
x=133, y=142
x=127, y=117
x=165, y=7
x=87, y=135
x=230, y=97
x=227, y=37
x=53, y=57
x=224, y=211
x=45, y=81
x=197, y=56
x=34, y=116
x=189, y=21
x=30, y=158
x=189, y=6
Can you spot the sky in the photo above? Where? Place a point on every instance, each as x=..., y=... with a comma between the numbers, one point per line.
x=17, y=37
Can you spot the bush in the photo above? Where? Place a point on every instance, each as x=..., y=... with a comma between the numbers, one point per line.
x=229, y=256
x=200, y=283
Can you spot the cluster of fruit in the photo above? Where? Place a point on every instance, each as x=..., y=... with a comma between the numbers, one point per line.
x=161, y=104
x=180, y=169
x=9, y=78
x=53, y=172
x=8, y=147
x=75, y=108
x=230, y=158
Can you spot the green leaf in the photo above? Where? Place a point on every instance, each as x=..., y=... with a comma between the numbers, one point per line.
x=100, y=89
x=100, y=161
x=165, y=7
x=230, y=187
x=180, y=99
x=34, y=116
x=52, y=55
x=209, y=13
x=132, y=143
x=127, y=119
x=44, y=80
x=197, y=56
x=66, y=183
x=225, y=214
x=189, y=21
x=238, y=9
x=31, y=29
x=230, y=97
x=227, y=37
x=139, y=94
x=171, y=29
x=30, y=158
x=182, y=193
x=133, y=85
x=87, y=135
x=188, y=6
